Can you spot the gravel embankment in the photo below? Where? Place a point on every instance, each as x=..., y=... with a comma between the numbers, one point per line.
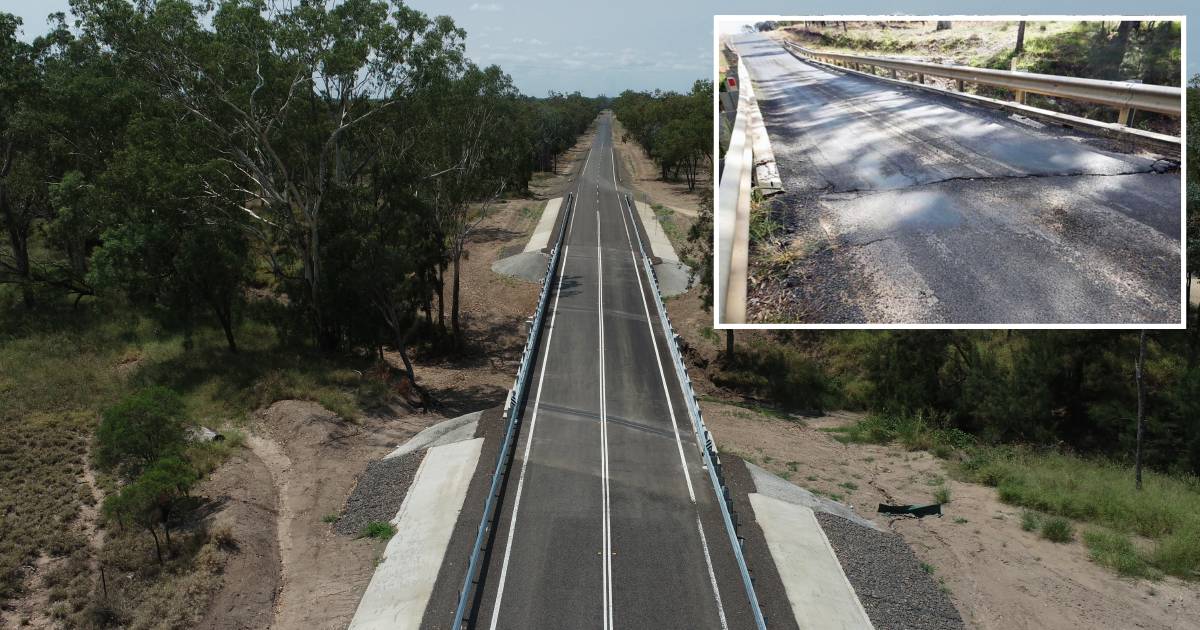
x=888, y=578
x=380, y=491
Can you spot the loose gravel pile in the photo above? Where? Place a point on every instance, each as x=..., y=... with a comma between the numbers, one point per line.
x=888, y=578
x=380, y=491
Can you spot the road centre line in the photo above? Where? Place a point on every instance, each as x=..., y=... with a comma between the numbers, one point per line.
x=606, y=516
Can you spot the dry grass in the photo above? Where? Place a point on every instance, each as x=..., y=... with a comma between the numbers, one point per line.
x=58, y=369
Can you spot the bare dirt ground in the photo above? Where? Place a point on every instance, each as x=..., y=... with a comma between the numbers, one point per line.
x=998, y=575
x=244, y=489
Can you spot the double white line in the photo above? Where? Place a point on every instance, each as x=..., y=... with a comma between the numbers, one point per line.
x=607, y=519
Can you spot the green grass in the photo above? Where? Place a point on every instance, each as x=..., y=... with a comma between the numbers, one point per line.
x=1117, y=552
x=1050, y=484
x=916, y=432
x=941, y=495
x=379, y=530
x=928, y=568
x=1058, y=529
x=330, y=518
x=1166, y=510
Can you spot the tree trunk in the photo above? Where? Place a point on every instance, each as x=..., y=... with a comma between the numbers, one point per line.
x=157, y=548
x=224, y=313
x=454, y=323
x=402, y=349
x=1020, y=38
x=18, y=238
x=441, y=293
x=728, y=344
x=1193, y=328
x=1141, y=396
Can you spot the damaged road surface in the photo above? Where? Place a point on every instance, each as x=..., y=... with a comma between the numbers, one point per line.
x=905, y=206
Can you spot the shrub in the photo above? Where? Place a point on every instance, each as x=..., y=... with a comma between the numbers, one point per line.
x=140, y=429
x=1030, y=521
x=1058, y=529
x=942, y=495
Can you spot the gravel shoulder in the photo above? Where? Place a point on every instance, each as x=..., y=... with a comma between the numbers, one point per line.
x=893, y=588
x=379, y=493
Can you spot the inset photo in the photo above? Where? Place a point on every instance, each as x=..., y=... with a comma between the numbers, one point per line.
x=1016, y=171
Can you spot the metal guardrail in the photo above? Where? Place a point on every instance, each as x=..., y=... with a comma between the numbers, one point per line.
x=704, y=439
x=733, y=225
x=512, y=408
x=1126, y=97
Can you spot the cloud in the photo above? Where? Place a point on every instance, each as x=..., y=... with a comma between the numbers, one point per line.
x=490, y=7
x=532, y=41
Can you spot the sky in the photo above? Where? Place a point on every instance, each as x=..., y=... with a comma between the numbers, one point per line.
x=609, y=46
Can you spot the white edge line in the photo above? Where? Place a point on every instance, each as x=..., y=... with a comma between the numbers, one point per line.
x=671, y=410
x=512, y=525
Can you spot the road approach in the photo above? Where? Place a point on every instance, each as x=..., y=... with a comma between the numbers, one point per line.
x=608, y=519
x=908, y=207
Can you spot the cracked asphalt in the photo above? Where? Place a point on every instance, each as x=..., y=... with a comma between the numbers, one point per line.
x=909, y=207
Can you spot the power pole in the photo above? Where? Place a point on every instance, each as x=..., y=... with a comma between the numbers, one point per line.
x=1141, y=395
x=1020, y=38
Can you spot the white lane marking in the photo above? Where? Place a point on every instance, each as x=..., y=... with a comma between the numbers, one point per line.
x=671, y=410
x=613, y=154
x=606, y=519
x=512, y=523
x=585, y=162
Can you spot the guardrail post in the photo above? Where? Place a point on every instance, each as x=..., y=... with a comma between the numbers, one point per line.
x=921, y=78
x=959, y=83
x=894, y=74
x=1123, y=118
x=1019, y=97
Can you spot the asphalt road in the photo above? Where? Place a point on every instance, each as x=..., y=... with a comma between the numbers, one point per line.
x=608, y=519
x=908, y=207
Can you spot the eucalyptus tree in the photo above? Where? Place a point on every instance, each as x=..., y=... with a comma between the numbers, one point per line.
x=468, y=150
x=289, y=97
x=62, y=115
x=166, y=244
x=18, y=208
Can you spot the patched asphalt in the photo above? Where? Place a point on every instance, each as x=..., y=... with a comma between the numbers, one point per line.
x=909, y=207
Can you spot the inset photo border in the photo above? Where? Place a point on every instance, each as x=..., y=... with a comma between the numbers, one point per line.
x=949, y=172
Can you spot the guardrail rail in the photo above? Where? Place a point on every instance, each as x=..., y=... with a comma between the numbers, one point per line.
x=1124, y=96
x=512, y=409
x=704, y=439
x=733, y=210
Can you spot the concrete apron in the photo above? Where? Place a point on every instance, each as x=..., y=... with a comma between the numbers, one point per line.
x=659, y=244
x=545, y=228
x=403, y=581
x=819, y=593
